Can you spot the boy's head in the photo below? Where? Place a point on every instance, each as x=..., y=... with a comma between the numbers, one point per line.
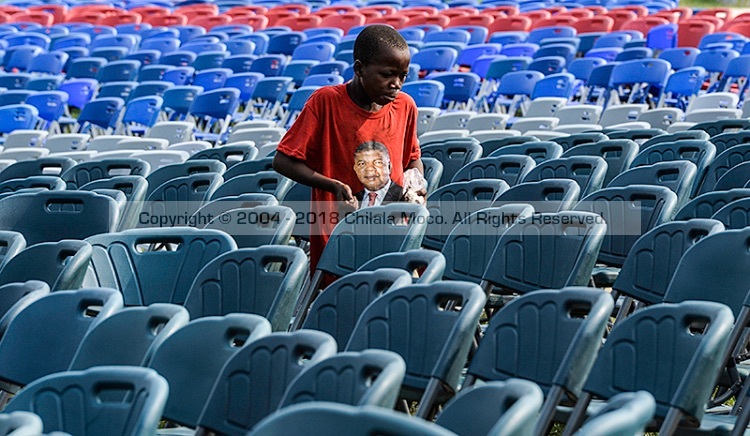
x=375, y=41
x=372, y=163
x=381, y=63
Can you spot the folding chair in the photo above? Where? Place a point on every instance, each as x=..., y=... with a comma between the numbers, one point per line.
x=706, y=205
x=192, y=358
x=587, y=171
x=138, y=413
x=452, y=332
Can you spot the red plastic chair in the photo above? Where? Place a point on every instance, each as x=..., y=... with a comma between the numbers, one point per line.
x=516, y=23
x=254, y=9
x=43, y=18
x=684, y=12
x=337, y=9
x=537, y=15
x=724, y=14
x=621, y=17
x=690, y=32
x=555, y=9
x=639, y=10
x=743, y=28
x=5, y=18
x=196, y=14
x=554, y=21
x=209, y=23
x=121, y=18
x=716, y=21
x=344, y=21
x=278, y=15
x=509, y=10
x=644, y=24
x=453, y=13
x=429, y=10
x=58, y=11
x=257, y=22
x=597, y=10
x=10, y=10
x=579, y=13
x=384, y=10
x=85, y=17
x=440, y=20
x=148, y=11
x=672, y=17
x=599, y=23
x=299, y=9
x=482, y=19
x=299, y=24
x=167, y=20
x=185, y=10
x=396, y=21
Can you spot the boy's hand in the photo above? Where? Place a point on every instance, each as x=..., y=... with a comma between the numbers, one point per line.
x=344, y=194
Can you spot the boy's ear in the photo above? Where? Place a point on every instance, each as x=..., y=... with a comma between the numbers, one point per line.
x=357, y=67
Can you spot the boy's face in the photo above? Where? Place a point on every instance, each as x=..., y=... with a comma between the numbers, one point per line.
x=372, y=168
x=382, y=78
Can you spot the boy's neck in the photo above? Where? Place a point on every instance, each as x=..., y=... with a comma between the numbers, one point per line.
x=360, y=98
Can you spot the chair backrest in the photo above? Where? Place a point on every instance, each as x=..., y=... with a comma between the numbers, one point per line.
x=453, y=156
x=470, y=244
x=723, y=141
x=229, y=155
x=699, y=152
x=730, y=158
x=653, y=259
x=537, y=150
x=55, y=215
x=735, y=215
x=425, y=266
x=15, y=297
x=677, y=175
x=192, y=358
x=721, y=260
x=571, y=141
x=706, y=205
x=501, y=408
x=629, y=213
x=255, y=226
x=112, y=400
x=28, y=352
x=61, y=265
x=181, y=196
x=546, y=196
x=89, y=171
x=339, y=306
x=366, y=378
x=265, y=281
x=187, y=168
x=457, y=199
x=587, y=171
x=370, y=232
x=318, y=419
x=441, y=355
x=625, y=413
x=691, y=338
x=37, y=167
x=509, y=168
x=130, y=336
x=736, y=177
x=269, y=182
x=134, y=261
x=619, y=154
x=254, y=380
x=568, y=240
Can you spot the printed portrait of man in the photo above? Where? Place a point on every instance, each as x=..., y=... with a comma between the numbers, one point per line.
x=372, y=163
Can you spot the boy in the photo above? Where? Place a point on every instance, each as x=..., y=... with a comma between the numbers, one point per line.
x=318, y=150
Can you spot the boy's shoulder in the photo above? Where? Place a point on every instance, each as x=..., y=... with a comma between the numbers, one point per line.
x=333, y=92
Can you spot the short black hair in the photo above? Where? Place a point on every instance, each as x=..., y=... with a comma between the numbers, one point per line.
x=373, y=146
x=373, y=40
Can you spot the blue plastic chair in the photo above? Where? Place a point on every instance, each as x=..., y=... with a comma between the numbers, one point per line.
x=478, y=34
x=84, y=67
x=566, y=51
x=298, y=70
x=127, y=41
x=163, y=45
x=178, y=58
x=211, y=79
x=435, y=59
x=329, y=67
x=178, y=100
x=213, y=111
x=537, y=35
x=99, y=113
x=513, y=85
x=71, y=40
x=109, y=53
x=319, y=51
x=521, y=49
x=239, y=63
x=633, y=53
x=318, y=80
x=715, y=61
x=736, y=74
x=209, y=59
x=460, y=89
x=18, y=117
x=285, y=43
x=259, y=39
x=44, y=83
x=270, y=65
x=179, y=75
x=240, y=47
x=426, y=93
x=48, y=63
x=269, y=94
x=280, y=357
x=680, y=57
x=192, y=359
x=68, y=315
x=137, y=414
x=645, y=76
x=662, y=37
x=28, y=38
x=141, y=113
x=554, y=85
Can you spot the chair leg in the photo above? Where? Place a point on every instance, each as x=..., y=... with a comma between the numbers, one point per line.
x=625, y=307
x=579, y=414
x=426, y=408
x=305, y=299
x=671, y=422
x=549, y=407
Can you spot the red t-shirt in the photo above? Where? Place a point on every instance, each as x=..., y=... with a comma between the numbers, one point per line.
x=326, y=133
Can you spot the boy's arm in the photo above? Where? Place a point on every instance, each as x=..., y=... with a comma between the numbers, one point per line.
x=417, y=163
x=298, y=171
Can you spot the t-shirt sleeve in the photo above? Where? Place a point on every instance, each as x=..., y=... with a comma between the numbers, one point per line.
x=302, y=140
